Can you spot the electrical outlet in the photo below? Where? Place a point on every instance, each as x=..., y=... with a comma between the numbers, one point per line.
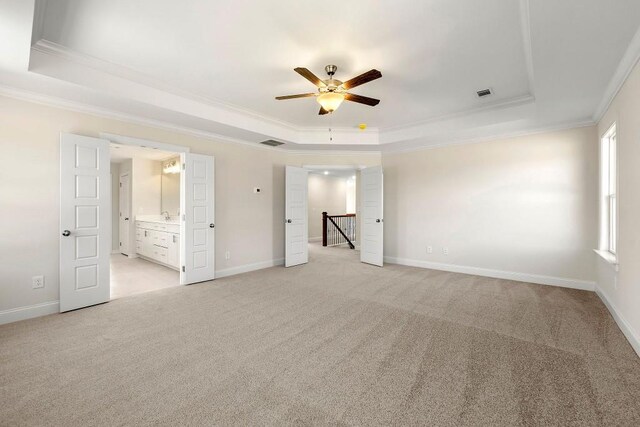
x=227, y=255
x=37, y=282
x=445, y=251
x=429, y=249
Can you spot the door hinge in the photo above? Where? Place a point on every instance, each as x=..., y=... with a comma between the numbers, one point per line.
x=184, y=217
x=183, y=269
x=120, y=185
x=120, y=243
x=184, y=167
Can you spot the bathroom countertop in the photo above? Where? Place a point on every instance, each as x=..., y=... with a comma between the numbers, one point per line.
x=158, y=218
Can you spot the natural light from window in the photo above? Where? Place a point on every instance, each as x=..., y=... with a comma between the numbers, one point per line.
x=608, y=194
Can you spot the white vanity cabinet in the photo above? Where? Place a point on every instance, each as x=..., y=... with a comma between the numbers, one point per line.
x=173, y=250
x=159, y=241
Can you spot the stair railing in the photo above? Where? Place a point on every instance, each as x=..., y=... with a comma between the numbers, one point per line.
x=338, y=229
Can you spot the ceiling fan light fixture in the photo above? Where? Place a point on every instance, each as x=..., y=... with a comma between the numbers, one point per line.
x=330, y=101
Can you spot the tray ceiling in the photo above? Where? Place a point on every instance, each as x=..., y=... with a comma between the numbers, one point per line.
x=215, y=67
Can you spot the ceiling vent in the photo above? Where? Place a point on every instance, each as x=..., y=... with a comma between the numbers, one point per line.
x=271, y=143
x=483, y=93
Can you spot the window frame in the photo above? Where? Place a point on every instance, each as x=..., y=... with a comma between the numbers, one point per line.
x=609, y=196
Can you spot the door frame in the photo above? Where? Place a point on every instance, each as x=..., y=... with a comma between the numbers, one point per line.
x=180, y=150
x=120, y=219
x=358, y=199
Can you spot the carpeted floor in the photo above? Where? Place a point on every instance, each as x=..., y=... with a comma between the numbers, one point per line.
x=332, y=342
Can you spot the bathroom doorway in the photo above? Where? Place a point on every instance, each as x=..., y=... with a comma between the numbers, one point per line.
x=145, y=219
x=90, y=220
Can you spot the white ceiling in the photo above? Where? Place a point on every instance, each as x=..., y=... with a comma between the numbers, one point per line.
x=121, y=152
x=215, y=67
x=434, y=55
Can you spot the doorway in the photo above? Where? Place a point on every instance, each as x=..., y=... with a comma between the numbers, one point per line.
x=146, y=255
x=90, y=231
x=332, y=198
x=312, y=189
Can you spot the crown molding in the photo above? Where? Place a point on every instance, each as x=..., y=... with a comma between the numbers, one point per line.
x=628, y=62
x=489, y=106
x=416, y=131
x=56, y=50
x=298, y=134
x=576, y=124
x=397, y=148
x=52, y=101
x=113, y=75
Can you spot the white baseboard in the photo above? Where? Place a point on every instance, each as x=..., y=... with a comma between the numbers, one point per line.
x=632, y=336
x=248, y=267
x=315, y=239
x=584, y=285
x=28, y=312
x=37, y=310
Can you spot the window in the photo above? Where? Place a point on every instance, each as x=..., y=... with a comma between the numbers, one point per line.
x=609, y=201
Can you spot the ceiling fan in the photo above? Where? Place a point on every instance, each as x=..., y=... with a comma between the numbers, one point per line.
x=331, y=92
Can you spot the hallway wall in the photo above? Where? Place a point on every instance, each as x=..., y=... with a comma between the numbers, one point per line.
x=326, y=194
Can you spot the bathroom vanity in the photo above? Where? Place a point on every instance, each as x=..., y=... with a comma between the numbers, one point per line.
x=158, y=240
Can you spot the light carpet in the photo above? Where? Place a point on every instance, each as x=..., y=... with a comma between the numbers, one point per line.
x=333, y=342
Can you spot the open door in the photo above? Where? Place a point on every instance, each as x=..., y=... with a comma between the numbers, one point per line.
x=371, y=247
x=85, y=221
x=296, y=221
x=198, y=212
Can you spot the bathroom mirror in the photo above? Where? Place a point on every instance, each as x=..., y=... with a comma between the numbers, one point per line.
x=170, y=183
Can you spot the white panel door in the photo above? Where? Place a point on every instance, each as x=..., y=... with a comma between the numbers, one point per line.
x=296, y=221
x=197, y=226
x=125, y=213
x=371, y=247
x=85, y=221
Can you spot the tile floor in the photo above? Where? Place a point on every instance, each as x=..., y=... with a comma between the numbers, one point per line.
x=130, y=276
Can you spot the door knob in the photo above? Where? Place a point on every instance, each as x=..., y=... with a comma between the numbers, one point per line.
x=288, y=221
x=66, y=233
x=377, y=220
x=211, y=225
x=126, y=219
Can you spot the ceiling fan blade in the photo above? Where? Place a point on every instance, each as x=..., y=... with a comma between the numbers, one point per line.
x=300, y=95
x=309, y=76
x=362, y=79
x=322, y=112
x=361, y=99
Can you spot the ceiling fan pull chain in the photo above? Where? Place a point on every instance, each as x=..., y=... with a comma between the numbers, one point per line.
x=330, y=126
